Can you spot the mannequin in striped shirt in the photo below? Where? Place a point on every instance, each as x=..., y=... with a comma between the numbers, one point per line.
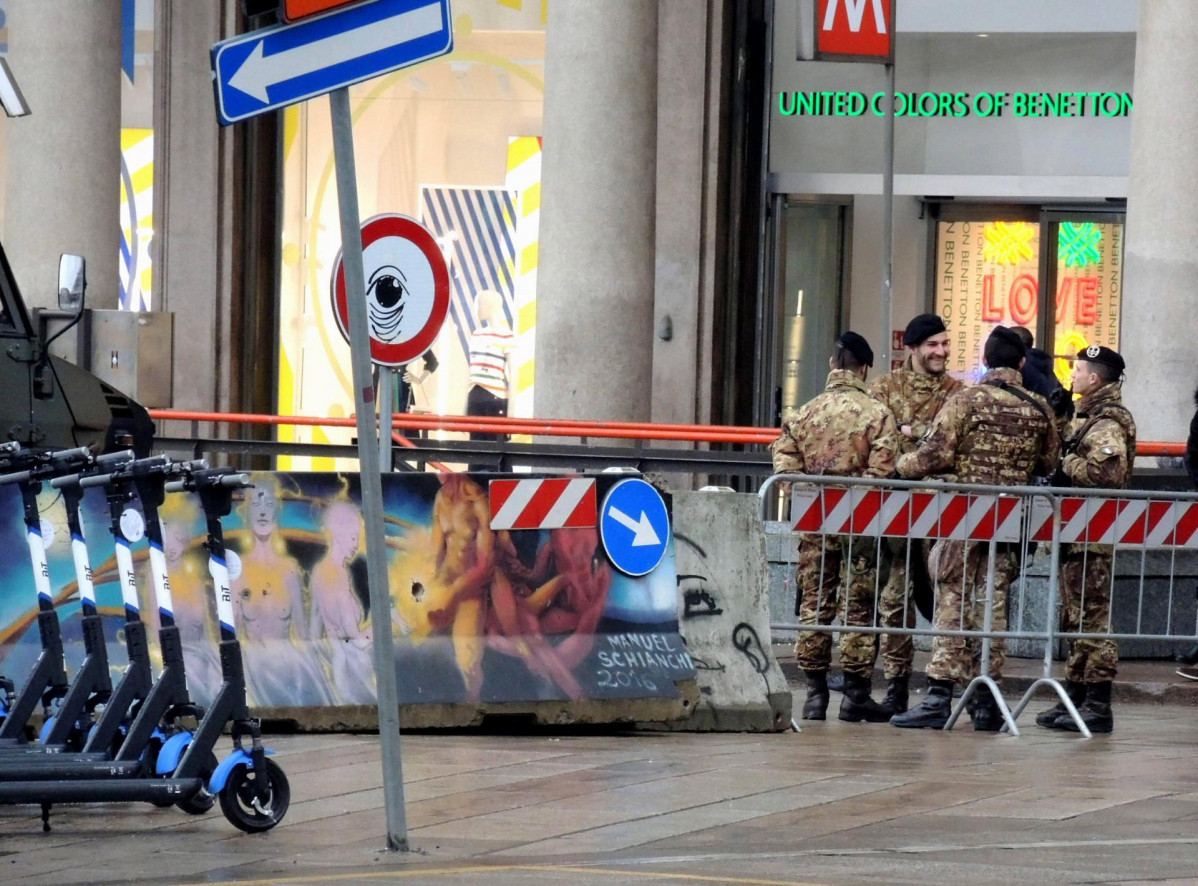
x=491, y=346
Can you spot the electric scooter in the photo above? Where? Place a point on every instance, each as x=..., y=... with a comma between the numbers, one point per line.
x=253, y=790
x=152, y=741
x=47, y=682
x=91, y=686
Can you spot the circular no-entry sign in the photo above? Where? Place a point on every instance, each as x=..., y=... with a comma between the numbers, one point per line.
x=407, y=289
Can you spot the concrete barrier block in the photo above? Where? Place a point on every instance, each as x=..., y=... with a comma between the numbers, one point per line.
x=724, y=613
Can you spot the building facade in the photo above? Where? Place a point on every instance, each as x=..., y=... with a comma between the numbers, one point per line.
x=710, y=219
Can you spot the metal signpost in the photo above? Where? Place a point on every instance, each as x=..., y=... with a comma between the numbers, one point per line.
x=266, y=70
x=863, y=31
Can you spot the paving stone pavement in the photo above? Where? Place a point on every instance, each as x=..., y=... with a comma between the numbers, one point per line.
x=838, y=803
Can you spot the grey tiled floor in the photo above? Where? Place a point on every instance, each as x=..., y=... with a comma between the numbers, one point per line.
x=839, y=803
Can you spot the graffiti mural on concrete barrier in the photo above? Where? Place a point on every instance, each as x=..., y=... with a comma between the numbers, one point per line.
x=478, y=615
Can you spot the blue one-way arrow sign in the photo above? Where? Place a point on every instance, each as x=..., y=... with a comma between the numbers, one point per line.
x=268, y=69
x=634, y=526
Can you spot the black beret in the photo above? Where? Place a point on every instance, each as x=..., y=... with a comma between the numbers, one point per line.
x=1103, y=355
x=923, y=327
x=1010, y=337
x=857, y=346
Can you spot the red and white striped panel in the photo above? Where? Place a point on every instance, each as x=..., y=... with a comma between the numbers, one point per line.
x=907, y=514
x=1150, y=524
x=556, y=503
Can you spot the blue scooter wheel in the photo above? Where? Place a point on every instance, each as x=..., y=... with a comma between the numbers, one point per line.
x=239, y=798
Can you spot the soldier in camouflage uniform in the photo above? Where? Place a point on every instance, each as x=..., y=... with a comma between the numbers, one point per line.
x=1099, y=451
x=996, y=433
x=914, y=395
x=843, y=432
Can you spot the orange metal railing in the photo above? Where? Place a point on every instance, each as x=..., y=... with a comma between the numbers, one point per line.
x=545, y=427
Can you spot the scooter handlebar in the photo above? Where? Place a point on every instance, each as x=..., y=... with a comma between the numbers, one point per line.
x=69, y=455
x=15, y=477
x=189, y=483
x=125, y=471
x=114, y=459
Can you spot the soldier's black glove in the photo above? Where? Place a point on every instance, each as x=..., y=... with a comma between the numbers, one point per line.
x=1060, y=479
x=1061, y=401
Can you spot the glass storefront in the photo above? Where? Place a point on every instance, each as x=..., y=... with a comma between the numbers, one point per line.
x=988, y=271
x=812, y=276
x=455, y=144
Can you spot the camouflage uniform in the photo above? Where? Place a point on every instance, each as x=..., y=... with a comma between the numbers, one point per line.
x=1099, y=452
x=842, y=432
x=988, y=435
x=914, y=399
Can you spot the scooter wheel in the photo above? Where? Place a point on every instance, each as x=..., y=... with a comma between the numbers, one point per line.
x=202, y=800
x=238, y=798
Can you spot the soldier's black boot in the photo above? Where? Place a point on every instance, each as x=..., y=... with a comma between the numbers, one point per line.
x=1077, y=694
x=816, y=705
x=933, y=712
x=857, y=705
x=1190, y=656
x=1095, y=711
x=986, y=716
x=897, y=695
x=835, y=682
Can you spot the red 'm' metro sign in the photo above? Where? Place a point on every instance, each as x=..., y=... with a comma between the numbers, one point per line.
x=854, y=30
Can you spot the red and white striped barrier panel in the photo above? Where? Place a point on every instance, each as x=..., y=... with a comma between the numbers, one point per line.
x=555, y=503
x=907, y=514
x=1150, y=524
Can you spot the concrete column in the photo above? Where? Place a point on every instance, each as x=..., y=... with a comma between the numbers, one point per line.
x=1160, y=264
x=682, y=341
x=63, y=161
x=594, y=353
x=192, y=257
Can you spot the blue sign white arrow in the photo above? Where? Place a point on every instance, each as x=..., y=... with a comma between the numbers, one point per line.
x=271, y=68
x=634, y=526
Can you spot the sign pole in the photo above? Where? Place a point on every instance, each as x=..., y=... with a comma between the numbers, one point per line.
x=386, y=414
x=368, y=461
x=887, y=214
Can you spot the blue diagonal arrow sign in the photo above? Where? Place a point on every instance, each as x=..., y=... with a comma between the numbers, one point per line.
x=274, y=67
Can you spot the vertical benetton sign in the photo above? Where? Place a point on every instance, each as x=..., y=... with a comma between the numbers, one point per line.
x=854, y=30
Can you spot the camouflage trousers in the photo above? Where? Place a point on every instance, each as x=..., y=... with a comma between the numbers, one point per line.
x=836, y=576
x=1086, y=608
x=896, y=609
x=959, y=569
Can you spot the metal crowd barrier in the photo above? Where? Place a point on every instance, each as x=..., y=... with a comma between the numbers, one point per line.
x=1040, y=526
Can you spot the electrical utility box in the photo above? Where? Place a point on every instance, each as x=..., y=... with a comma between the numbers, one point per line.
x=133, y=351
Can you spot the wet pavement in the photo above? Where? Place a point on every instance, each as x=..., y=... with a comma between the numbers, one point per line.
x=839, y=803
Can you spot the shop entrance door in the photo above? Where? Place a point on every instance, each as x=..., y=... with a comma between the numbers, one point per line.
x=809, y=298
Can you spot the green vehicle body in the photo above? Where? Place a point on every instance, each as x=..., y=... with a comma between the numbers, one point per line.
x=48, y=403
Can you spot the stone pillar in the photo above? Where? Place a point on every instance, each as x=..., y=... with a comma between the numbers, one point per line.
x=595, y=279
x=63, y=161
x=193, y=169
x=1160, y=264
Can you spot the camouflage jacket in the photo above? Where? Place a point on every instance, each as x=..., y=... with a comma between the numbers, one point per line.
x=1100, y=445
x=913, y=399
x=985, y=434
x=842, y=432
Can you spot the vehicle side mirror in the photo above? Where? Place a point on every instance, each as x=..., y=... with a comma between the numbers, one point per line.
x=72, y=281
